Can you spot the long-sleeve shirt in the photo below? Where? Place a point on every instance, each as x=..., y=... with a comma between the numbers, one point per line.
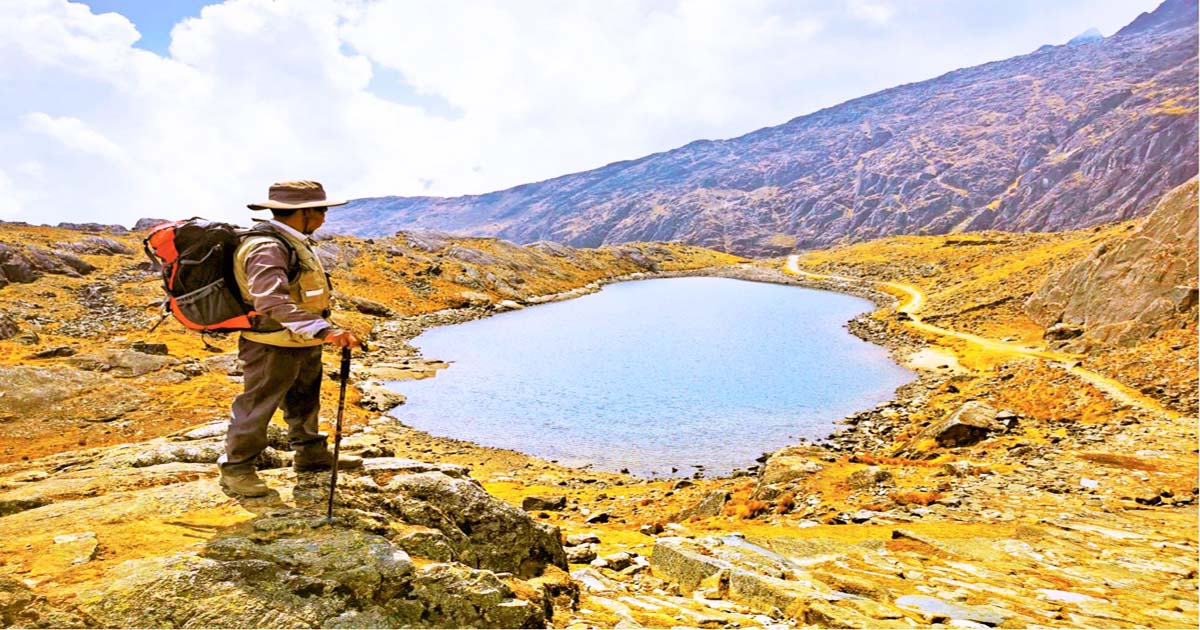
x=267, y=282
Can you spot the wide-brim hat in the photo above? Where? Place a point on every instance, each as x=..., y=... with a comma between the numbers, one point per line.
x=295, y=196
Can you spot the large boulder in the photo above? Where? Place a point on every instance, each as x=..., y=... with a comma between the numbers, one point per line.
x=370, y=307
x=970, y=424
x=486, y=533
x=302, y=573
x=122, y=363
x=15, y=266
x=711, y=505
x=377, y=397
x=1129, y=288
x=8, y=327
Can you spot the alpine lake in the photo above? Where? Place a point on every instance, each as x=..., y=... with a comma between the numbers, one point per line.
x=663, y=377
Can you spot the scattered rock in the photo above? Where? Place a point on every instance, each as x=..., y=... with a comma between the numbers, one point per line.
x=971, y=423
x=8, y=327
x=143, y=347
x=53, y=353
x=370, y=307
x=957, y=469
x=27, y=338
x=616, y=562
x=581, y=554
x=123, y=363
x=376, y=397
x=226, y=364
x=652, y=529
x=539, y=503
x=598, y=517
x=582, y=539
x=474, y=298
x=869, y=478
x=783, y=467
x=711, y=505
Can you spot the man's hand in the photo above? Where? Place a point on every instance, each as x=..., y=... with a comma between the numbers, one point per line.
x=342, y=339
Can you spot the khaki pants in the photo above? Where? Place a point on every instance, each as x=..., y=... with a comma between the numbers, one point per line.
x=274, y=377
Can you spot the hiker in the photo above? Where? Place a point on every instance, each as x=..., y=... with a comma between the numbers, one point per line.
x=283, y=279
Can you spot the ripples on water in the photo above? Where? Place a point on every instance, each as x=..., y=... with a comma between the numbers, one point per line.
x=654, y=375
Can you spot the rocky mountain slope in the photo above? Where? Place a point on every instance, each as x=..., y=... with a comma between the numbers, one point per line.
x=1066, y=137
x=1131, y=289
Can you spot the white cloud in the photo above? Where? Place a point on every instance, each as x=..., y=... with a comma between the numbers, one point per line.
x=256, y=91
x=74, y=134
x=9, y=199
x=869, y=11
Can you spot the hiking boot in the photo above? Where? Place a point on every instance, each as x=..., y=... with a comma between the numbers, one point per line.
x=319, y=457
x=244, y=483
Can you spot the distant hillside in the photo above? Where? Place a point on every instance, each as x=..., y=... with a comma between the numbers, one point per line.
x=1066, y=137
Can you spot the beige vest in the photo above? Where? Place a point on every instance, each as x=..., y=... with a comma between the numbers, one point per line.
x=310, y=289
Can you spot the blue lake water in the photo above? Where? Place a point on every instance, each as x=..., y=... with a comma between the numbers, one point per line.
x=654, y=375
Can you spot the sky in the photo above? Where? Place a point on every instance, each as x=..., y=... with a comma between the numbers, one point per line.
x=111, y=111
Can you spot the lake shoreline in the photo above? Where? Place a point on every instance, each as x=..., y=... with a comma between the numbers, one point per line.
x=391, y=349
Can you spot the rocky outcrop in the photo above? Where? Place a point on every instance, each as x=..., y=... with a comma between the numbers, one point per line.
x=97, y=246
x=8, y=327
x=93, y=227
x=970, y=424
x=146, y=223
x=295, y=570
x=411, y=544
x=20, y=607
x=1131, y=289
x=1065, y=137
x=484, y=532
x=25, y=264
x=35, y=394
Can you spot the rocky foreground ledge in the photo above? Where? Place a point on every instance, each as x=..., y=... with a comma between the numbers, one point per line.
x=143, y=536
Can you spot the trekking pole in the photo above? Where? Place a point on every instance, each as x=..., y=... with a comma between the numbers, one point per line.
x=337, y=429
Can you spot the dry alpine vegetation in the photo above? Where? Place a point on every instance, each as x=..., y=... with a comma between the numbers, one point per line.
x=1005, y=487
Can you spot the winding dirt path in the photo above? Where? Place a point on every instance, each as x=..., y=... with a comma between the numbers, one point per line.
x=913, y=299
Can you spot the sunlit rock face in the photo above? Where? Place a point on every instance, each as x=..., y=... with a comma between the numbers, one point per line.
x=1131, y=289
x=1065, y=137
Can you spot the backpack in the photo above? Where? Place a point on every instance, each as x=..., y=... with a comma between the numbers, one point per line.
x=196, y=260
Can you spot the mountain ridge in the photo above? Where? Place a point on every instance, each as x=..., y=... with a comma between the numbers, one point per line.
x=1058, y=139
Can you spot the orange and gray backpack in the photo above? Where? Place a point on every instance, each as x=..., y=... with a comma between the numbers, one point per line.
x=196, y=259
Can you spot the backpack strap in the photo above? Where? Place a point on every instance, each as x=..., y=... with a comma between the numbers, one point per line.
x=293, y=268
